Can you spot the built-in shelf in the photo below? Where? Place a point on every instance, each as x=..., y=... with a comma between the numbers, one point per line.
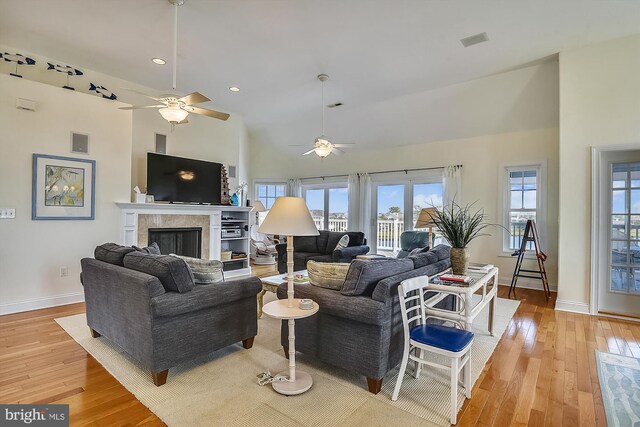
x=233, y=238
x=235, y=259
x=234, y=220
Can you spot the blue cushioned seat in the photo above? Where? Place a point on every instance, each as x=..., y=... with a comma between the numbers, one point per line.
x=443, y=337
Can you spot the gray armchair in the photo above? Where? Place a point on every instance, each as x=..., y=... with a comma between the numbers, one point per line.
x=162, y=329
x=410, y=240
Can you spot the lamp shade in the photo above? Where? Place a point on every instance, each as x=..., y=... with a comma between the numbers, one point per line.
x=258, y=206
x=425, y=219
x=289, y=216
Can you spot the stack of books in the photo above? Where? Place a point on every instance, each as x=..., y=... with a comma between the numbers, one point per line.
x=478, y=267
x=453, y=279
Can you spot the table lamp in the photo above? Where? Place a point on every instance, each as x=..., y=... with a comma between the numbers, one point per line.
x=426, y=220
x=257, y=208
x=289, y=216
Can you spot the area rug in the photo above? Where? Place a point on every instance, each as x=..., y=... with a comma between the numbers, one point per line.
x=221, y=389
x=620, y=385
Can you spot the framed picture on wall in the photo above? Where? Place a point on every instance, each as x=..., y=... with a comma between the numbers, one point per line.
x=63, y=188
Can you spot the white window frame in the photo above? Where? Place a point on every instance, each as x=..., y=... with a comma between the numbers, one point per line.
x=326, y=186
x=257, y=182
x=407, y=180
x=541, y=203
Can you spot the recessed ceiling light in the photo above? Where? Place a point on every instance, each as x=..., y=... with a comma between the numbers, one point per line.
x=158, y=61
x=234, y=89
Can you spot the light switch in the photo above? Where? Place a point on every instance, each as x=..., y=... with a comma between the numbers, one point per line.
x=7, y=213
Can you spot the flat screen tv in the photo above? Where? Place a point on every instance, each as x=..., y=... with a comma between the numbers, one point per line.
x=180, y=180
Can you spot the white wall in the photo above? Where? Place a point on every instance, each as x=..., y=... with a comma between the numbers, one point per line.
x=599, y=105
x=120, y=167
x=33, y=251
x=482, y=157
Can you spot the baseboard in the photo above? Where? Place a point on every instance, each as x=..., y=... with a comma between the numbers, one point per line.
x=572, y=306
x=525, y=283
x=43, y=302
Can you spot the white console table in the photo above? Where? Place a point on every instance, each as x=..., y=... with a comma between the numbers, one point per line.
x=129, y=226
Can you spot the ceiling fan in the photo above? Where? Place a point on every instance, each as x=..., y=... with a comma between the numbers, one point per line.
x=322, y=145
x=174, y=108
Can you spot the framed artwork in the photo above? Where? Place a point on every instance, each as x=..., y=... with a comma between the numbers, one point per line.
x=63, y=188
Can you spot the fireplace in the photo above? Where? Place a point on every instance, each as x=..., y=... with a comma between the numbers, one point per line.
x=185, y=241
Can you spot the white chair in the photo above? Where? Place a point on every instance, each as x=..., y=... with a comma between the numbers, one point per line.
x=421, y=337
x=263, y=249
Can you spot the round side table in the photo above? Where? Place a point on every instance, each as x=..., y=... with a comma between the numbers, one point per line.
x=297, y=382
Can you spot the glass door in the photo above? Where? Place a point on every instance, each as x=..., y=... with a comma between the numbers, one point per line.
x=619, y=287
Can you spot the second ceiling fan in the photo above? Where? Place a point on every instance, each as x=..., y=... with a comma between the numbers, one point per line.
x=322, y=146
x=175, y=108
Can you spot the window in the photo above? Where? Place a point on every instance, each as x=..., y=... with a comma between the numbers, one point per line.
x=329, y=205
x=397, y=204
x=523, y=196
x=267, y=192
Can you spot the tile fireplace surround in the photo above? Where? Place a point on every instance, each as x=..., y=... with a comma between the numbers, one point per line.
x=137, y=218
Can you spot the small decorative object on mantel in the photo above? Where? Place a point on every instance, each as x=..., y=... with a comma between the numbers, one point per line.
x=459, y=225
x=224, y=187
x=18, y=59
x=101, y=90
x=242, y=191
x=63, y=188
x=66, y=69
x=235, y=200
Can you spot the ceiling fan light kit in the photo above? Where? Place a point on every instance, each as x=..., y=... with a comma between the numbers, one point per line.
x=173, y=115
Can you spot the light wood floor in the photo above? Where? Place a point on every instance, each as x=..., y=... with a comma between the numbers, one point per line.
x=542, y=373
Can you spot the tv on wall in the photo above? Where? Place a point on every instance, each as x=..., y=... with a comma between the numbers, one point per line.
x=180, y=180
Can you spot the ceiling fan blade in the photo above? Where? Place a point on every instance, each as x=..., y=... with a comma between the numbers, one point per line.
x=336, y=151
x=194, y=98
x=298, y=145
x=133, y=107
x=309, y=152
x=344, y=144
x=210, y=113
x=140, y=93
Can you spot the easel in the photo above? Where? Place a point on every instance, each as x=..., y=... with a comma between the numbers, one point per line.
x=530, y=235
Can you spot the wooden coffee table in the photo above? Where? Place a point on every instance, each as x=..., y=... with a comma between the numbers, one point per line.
x=271, y=283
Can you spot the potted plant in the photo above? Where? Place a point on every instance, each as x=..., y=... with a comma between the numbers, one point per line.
x=460, y=225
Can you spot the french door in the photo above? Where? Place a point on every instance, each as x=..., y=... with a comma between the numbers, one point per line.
x=396, y=206
x=619, y=213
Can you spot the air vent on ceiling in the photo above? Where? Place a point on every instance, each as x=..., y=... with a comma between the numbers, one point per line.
x=471, y=40
x=337, y=104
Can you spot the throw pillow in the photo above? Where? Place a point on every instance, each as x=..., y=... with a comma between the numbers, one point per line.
x=205, y=271
x=174, y=273
x=417, y=251
x=342, y=243
x=363, y=276
x=152, y=249
x=112, y=253
x=329, y=275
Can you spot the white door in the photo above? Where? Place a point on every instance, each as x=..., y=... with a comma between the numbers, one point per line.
x=619, y=252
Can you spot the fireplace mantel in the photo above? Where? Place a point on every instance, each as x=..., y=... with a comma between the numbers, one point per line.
x=130, y=216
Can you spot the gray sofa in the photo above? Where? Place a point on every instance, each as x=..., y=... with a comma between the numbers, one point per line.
x=362, y=333
x=163, y=328
x=322, y=248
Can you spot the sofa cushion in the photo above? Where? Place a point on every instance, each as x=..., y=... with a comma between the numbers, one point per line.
x=174, y=273
x=305, y=244
x=356, y=238
x=152, y=249
x=112, y=253
x=417, y=251
x=205, y=271
x=322, y=240
x=363, y=276
x=320, y=258
x=423, y=259
x=330, y=275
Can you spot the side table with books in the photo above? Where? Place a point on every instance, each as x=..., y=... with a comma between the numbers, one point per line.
x=464, y=287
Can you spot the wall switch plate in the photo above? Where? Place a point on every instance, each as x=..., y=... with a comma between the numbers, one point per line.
x=7, y=213
x=64, y=271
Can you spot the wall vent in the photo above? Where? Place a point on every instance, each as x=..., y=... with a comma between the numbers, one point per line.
x=232, y=171
x=471, y=40
x=79, y=143
x=25, y=104
x=161, y=143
